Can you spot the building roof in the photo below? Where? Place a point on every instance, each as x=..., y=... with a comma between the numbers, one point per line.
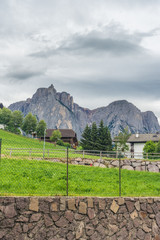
x=142, y=138
x=69, y=133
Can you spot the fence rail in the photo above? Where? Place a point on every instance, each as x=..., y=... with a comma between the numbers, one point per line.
x=79, y=153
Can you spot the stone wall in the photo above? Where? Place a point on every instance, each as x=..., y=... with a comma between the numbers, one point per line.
x=132, y=164
x=137, y=165
x=53, y=218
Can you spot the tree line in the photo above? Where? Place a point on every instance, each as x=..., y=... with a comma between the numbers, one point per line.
x=14, y=121
x=96, y=138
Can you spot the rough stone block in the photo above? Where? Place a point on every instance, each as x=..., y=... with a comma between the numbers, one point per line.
x=114, y=207
x=157, y=237
x=130, y=206
x=2, y=233
x=62, y=222
x=134, y=214
x=54, y=207
x=44, y=206
x=146, y=228
x=101, y=215
x=69, y=216
x=7, y=223
x=158, y=219
x=102, y=204
x=10, y=211
x=140, y=234
x=101, y=230
x=34, y=204
x=153, y=168
x=82, y=208
x=22, y=218
x=17, y=228
x=55, y=216
x=47, y=220
x=112, y=229
x=142, y=215
x=71, y=204
x=91, y=213
x=123, y=233
x=62, y=204
x=128, y=167
x=78, y=216
x=70, y=236
x=22, y=203
x=89, y=229
x=79, y=231
x=120, y=201
x=90, y=202
x=137, y=206
x=35, y=217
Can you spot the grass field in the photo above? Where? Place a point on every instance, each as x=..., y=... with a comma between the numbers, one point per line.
x=42, y=178
x=22, y=147
x=11, y=140
x=19, y=146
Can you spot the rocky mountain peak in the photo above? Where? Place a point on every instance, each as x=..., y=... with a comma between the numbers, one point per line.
x=44, y=92
x=122, y=105
x=59, y=110
x=66, y=99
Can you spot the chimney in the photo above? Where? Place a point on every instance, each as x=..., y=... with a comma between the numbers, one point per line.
x=137, y=135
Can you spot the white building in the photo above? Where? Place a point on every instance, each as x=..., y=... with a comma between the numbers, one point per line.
x=136, y=144
x=1, y=126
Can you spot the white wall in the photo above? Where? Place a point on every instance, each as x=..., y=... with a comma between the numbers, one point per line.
x=1, y=126
x=138, y=150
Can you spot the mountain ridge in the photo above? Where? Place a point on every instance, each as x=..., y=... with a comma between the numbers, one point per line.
x=59, y=111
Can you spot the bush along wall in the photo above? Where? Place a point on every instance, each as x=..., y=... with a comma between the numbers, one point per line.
x=54, y=218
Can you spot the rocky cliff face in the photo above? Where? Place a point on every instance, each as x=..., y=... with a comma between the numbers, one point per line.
x=59, y=110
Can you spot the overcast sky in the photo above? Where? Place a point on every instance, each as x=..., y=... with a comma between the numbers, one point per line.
x=96, y=50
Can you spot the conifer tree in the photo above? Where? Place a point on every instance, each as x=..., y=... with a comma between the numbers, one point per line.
x=102, y=138
x=94, y=137
x=108, y=139
x=85, y=141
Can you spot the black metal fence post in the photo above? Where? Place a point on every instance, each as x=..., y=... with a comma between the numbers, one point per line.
x=67, y=174
x=0, y=148
x=120, y=174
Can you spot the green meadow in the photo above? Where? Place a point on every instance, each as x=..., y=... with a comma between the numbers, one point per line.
x=44, y=178
x=19, y=146
x=26, y=170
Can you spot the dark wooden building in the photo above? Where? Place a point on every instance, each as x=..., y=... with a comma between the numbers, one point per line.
x=68, y=136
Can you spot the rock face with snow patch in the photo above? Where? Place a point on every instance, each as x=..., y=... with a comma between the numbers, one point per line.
x=60, y=111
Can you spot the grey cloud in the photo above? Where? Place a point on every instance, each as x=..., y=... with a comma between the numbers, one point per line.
x=111, y=39
x=140, y=88
x=23, y=74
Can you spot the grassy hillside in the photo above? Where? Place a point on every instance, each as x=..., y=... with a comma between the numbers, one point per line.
x=19, y=146
x=12, y=140
x=16, y=145
x=31, y=177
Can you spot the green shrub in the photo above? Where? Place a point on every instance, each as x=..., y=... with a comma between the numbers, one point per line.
x=67, y=145
x=60, y=143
